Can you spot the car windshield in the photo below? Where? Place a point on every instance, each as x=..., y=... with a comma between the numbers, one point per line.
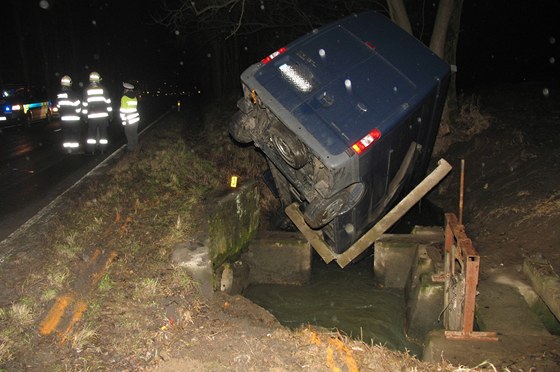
x=7, y=93
x=16, y=92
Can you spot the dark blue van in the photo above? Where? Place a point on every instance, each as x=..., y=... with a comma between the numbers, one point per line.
x=347, y=116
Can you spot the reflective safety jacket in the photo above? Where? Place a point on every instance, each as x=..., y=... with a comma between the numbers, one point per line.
x=97, y=103
x=129, y=109
x=68, y=103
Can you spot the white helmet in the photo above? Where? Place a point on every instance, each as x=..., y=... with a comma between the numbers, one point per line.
x=66, y=81
x=94, y=77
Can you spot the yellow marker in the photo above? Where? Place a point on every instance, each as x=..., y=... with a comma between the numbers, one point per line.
x=233, y=182
x=178, y=105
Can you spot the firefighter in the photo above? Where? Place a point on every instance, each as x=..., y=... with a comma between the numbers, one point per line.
x=130, y=116
x=97, y=110
x=68, y=103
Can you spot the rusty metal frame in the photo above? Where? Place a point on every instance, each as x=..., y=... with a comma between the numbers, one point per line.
x=459, y=248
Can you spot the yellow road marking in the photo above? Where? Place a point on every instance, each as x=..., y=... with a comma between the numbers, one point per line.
x=95, y=277
x=55, y=314
x=350, y=361
x=58, y=310
x=79, y=309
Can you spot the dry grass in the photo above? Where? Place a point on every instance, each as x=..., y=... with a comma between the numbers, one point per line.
x=83, y=337
x=5, y=349
x=547, y=207
x=58, y=276
x=21, y=313
x=527, y=210
x=69, y=246
x=147, y=288
x=470, y=120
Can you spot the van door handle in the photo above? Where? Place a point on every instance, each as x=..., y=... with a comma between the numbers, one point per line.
x=326, y=100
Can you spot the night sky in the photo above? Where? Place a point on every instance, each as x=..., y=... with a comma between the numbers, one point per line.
x=509, y=41
x=501, y=41
x=119, y=39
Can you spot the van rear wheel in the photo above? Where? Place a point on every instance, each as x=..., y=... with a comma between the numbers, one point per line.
x=322, y=211
x=237, y=128
x=289, y=146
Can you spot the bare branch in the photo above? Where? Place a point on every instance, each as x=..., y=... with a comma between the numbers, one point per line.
x=239, y=21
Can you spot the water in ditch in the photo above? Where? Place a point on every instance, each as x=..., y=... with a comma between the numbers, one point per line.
x=347, y=299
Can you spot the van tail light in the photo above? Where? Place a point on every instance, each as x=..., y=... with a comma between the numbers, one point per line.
x=273, y=55
x=366, y=141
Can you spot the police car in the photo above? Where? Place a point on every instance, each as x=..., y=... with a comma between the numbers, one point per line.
x=346, y=116
x=23, y=105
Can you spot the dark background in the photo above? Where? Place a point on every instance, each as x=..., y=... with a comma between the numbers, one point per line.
x=44, y=40
x=509, y=41
x=501, y=41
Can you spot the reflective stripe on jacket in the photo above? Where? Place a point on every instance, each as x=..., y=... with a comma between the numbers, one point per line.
x=97, y=103
x=129, y=110
x=68, y=104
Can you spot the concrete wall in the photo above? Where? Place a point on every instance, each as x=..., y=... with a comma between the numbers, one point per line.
x=279, y=257
x=233, y=220
x=230, y=223
x=407, y=262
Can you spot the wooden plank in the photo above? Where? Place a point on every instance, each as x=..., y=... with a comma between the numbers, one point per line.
x=314, y=238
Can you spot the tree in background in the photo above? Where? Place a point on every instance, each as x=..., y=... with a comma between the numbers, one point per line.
x=443, y=42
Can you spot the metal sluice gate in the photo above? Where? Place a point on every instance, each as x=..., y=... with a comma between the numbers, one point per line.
x=461, y=265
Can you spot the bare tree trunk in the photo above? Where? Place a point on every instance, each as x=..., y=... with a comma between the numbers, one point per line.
x=451, y=57
x=439, y=34
x=438, y=46
x=399, y=15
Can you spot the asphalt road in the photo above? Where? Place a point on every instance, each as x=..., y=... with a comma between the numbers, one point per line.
x=34, y=169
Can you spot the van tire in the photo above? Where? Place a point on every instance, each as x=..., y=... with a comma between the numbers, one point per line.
x=288, y=146
x=237, y=128
x=320, y=212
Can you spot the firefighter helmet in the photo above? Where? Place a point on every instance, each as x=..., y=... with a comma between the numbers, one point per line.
x=66, y=81
x=94, y=77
